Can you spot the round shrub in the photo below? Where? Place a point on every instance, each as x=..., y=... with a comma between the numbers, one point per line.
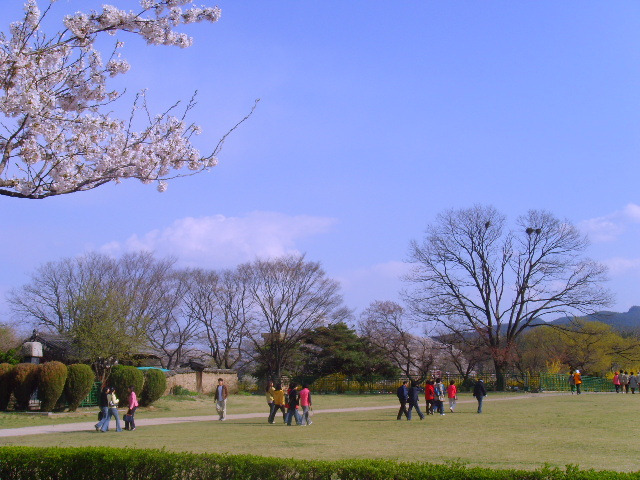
x=80, y=379
x=155, y=383
x=6, y=384
x=122, y=377
x=52, y=377
x=25, y=382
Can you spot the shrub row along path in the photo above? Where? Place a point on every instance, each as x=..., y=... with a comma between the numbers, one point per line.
x=144, y=422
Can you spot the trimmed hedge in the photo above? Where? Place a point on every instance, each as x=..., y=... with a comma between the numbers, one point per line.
x=105, y=463
x=6, y=384
x=80, y=379
x=122, y=377
x=25, y=382
x=155, y=383
x=52, y=377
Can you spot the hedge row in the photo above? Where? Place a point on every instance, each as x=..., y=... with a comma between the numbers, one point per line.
x=22, y=463
x=52, y=379
x=59, y=384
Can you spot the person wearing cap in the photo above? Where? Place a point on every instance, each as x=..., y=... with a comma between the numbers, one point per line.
x=577, y=378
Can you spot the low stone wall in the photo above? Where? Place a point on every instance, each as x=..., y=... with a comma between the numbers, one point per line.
x=201, y=382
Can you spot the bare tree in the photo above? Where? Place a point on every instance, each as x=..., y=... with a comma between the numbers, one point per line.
x=220, y=303
x=386, y=325
x=291, y=297
x=173, y=332
x=474, y=277
x=95, y=297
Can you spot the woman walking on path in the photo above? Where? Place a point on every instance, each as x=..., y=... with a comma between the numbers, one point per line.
x=414, y=398
x=278, y=404
x=103, y=403
x=305, y=403
x=113, y=411
x=268, y=392
x=616, y=382
x=452, y=393
x=129, y=421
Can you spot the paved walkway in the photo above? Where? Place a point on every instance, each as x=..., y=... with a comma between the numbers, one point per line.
x=144, y=422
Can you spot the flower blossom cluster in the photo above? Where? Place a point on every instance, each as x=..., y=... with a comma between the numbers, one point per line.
x=57, y=135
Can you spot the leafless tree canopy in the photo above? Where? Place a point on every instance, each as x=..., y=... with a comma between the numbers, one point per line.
x=220, y=304
x=387, y=326
x=290, y=296
x=51, y=298
x=474, y=276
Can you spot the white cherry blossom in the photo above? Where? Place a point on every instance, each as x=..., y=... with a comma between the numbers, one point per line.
x=57, y=132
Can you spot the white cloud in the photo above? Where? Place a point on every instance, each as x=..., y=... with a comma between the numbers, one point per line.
x=220, y=241
x=609, y=227
x=620, y=266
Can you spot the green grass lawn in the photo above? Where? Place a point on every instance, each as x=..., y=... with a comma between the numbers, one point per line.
x=593, y=431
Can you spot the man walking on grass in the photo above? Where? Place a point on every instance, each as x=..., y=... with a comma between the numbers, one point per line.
x=403, y=393
x=221, y=399
x=479, y=392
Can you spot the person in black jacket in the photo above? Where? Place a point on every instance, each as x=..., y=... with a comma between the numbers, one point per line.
x=414, y=396
x=403, y=393
x=103, y=403
x=293, y=401
x=479, y=392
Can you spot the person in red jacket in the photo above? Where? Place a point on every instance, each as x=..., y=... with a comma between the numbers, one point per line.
x=452, y=393
x=429, y=396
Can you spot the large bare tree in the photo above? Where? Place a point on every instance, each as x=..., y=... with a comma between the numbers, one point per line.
x=387, y=326
x=95, y=297
x=220, y=303
x=474, y=276
x=291, y=296
x=172, y=332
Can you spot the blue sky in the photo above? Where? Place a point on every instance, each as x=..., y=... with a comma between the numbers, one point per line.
x=374, y=117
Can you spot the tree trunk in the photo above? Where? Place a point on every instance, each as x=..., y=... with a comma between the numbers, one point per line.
x=500, y=369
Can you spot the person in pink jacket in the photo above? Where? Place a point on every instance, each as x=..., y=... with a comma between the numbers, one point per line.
x=129, y=423
x=452, y=393
x=616, y=382
x=305, y=403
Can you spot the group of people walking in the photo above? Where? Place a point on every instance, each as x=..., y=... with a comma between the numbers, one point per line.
x=288, y=403
x=108, y=403
x=434, y=395
x=624, y=381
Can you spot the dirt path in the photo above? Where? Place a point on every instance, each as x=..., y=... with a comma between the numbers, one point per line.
x=144, y=422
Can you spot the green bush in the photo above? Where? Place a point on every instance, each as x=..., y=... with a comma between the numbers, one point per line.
x=86, y=463
x=155, y=383
x=80, y=379
x=122, y=377
x=180, y=390
x=25, y=382
x=6, y=384
x=52, y=377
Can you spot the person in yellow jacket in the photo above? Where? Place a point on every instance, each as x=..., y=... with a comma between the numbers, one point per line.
x=278, y=404
x=268, y=392
x=578, y=381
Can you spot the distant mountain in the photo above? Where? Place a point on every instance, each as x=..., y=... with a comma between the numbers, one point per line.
x=623, y=322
